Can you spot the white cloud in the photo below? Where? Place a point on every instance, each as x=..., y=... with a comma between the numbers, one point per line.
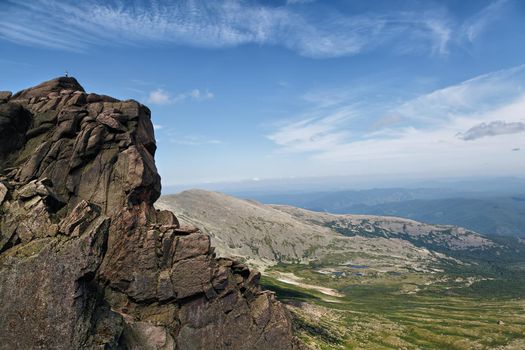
x=434, y=151
x=194, y=94
x=442, y=33
x=162, y=97
x=159, y=97
x=80, y=25
x=158, y=127
x=193, y=140
x=387, y=121
x=470, y=97
x=424, y=134
x=313, y=134
x=474, y=26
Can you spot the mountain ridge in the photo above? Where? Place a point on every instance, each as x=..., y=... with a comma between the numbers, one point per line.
x=491, y=211
x=275, y=227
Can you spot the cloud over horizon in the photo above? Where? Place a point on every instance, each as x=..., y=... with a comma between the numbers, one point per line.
x=430, y=126
x=332, y=117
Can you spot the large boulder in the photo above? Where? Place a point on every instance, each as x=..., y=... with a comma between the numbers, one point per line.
x=86, y=262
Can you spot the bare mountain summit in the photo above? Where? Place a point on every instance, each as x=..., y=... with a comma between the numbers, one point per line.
x=264, y=235
x=86, y=261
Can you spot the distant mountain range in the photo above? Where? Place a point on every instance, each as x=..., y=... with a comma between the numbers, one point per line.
x=484, y=212
x=495, y=216
x=265, y=235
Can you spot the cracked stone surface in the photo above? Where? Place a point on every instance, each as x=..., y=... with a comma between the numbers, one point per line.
x=86, y=262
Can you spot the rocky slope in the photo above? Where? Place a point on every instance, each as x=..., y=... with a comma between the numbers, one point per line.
x=86, y=261
x=444, y=236
x=264, y=234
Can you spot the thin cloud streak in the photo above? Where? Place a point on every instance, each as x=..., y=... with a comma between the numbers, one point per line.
x=170, y=135
x=61, y=25
x=479, y=22
x=335, y=115
x=436, y=151
x=194, y=140
x=314, y=133
x=470, y=97
x=162, y=97
x=418, y=136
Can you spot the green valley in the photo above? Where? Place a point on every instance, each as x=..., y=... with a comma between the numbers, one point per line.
x=402, y=310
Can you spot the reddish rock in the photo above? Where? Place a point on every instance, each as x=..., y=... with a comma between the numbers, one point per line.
x=5, y=96
x=191, y=246
x=111, y=122
x=92, y=263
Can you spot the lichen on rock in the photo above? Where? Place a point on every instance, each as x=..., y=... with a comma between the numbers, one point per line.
x=86, y=262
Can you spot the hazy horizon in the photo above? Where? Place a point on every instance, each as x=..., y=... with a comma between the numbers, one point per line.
x=479, y=184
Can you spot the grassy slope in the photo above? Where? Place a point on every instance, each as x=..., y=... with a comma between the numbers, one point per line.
x=405, y=311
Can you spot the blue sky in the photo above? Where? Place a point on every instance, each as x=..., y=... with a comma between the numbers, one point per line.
x=284, y=89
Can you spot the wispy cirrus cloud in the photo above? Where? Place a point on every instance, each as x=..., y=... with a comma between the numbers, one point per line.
x=426, y=133
x=167, y=135
x=162, y=97
x=77, y=26
x=470, y=97
x=314, y=133
x=477, y=23
x=194, y=140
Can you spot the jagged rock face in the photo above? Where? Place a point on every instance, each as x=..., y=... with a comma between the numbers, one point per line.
x=86, y=262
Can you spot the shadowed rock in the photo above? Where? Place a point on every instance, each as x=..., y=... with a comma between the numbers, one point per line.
x=86, y=262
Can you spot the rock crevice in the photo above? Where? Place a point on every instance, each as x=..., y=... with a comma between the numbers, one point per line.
x=86, y=262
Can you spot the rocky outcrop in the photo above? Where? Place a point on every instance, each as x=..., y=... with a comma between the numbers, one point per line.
x=86, y=262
